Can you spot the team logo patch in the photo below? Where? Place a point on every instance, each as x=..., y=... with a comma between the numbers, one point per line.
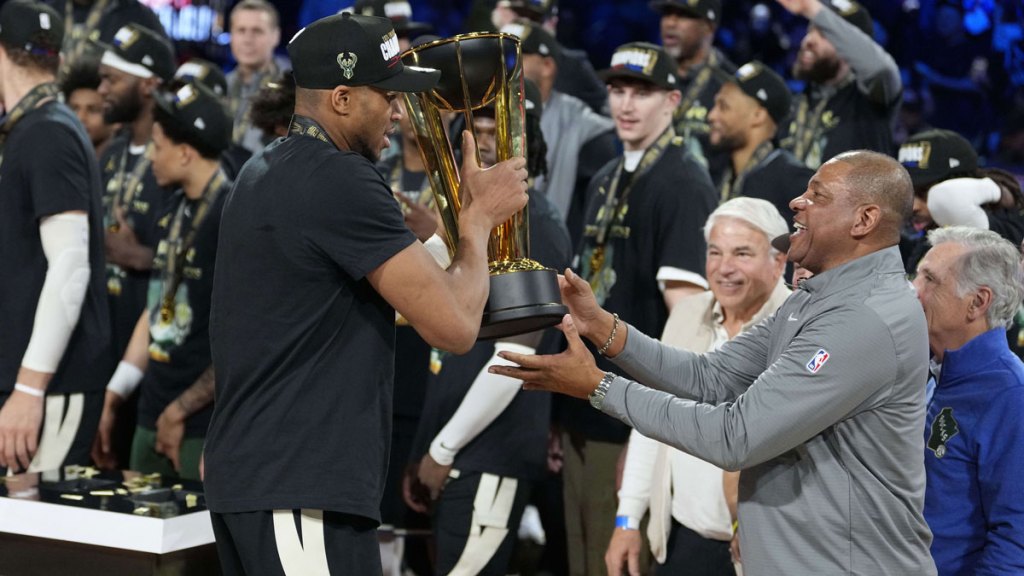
x=944, y=427
x=347, y=62
x=817, y=361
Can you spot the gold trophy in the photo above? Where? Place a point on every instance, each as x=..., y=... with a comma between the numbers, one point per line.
x=480, y=70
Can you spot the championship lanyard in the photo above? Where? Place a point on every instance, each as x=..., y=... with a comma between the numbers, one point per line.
x=617, y=202
x=236, y=98
x=74, y=36
x=124, y=186
x=177, y=248
x=698, y=84
x=35, y=97
x=807, y=125
x=730, y=184
x=305, y=126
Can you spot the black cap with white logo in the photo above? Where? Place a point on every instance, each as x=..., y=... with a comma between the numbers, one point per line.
x=765, y=86
x=936, y=155
x=533, y=38
x=31, y=26
x=199, y=112
x=398, y=11
x=203, y=72
x=710, y=10
x=139, y=51
x=642, y=61
x=354, y=50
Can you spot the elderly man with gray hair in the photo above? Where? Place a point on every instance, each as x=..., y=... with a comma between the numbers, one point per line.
x=693, y=503
x=969, y=284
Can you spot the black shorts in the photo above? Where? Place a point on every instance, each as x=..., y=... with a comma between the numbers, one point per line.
x=476, y=522
x=296, y=543
x=69, y=426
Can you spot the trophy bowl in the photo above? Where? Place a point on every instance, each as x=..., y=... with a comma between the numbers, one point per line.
x=484, y=70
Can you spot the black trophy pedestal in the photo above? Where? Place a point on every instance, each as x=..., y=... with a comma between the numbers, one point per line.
x=522, y=302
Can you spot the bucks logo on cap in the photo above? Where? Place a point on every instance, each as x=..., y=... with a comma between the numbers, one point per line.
x=915, y=155
x=347, y=61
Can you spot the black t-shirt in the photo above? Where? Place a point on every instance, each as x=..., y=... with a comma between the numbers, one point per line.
x=179, y=346
x=303, y=346
x=515, y=443
x=127, y=288
x=778, y=179
x=692, y=122
x=850, y=121
x=662, y=227
x=48, y=168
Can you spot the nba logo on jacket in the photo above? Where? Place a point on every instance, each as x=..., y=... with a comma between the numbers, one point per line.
x=817, y=361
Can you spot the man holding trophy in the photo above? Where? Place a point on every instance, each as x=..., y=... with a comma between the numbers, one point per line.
x=315, y=260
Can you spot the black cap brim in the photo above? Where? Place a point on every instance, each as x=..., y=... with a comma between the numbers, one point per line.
x=410, y=79
x=610, y=74
x=660, y=6
x=781, y=243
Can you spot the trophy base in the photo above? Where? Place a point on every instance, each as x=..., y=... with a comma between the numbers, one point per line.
x=522, y=302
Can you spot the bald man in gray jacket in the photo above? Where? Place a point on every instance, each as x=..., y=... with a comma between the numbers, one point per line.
x=820, y=406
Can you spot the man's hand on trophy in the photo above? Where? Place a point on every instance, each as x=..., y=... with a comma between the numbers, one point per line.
x=574, y=372
x=495, y=193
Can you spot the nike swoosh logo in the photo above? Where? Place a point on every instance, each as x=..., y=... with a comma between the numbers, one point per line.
x=792, y=318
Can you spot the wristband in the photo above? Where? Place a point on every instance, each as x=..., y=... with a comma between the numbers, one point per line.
x=627, y=523
x=26, y=389
x=125, y=379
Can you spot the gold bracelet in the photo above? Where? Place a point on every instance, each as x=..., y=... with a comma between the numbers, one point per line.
x=611, y=337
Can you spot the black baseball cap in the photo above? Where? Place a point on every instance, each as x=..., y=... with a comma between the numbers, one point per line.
x=31, y=26
x=710, y=10
x=203, y=72
x=642, y=61
x=398, y=11
x=139, y=51
x=196, y=110
x=765, y=86
x=535, y=10
x=853, y=13
x=936, y=155
x=533, y=38
x=354, y=50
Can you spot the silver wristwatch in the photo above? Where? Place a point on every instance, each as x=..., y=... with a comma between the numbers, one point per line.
x=597, y=396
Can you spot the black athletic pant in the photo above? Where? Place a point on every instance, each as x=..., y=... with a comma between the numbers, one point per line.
x=694, y=555
x=476, y=523
x=296, y=543
x=69, y=426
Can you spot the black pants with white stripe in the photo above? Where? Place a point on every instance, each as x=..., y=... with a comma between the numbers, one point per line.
x=476, y=523
x=296, y=543
x=68, y=428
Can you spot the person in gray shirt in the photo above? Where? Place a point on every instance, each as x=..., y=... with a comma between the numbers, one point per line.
x=821, y=405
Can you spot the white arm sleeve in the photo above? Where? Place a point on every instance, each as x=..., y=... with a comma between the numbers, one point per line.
x=957, y=202
x=65, y=239
x=635, y=493
x=486, y=399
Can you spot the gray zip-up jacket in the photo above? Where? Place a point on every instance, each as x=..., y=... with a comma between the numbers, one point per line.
x=821, y=406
